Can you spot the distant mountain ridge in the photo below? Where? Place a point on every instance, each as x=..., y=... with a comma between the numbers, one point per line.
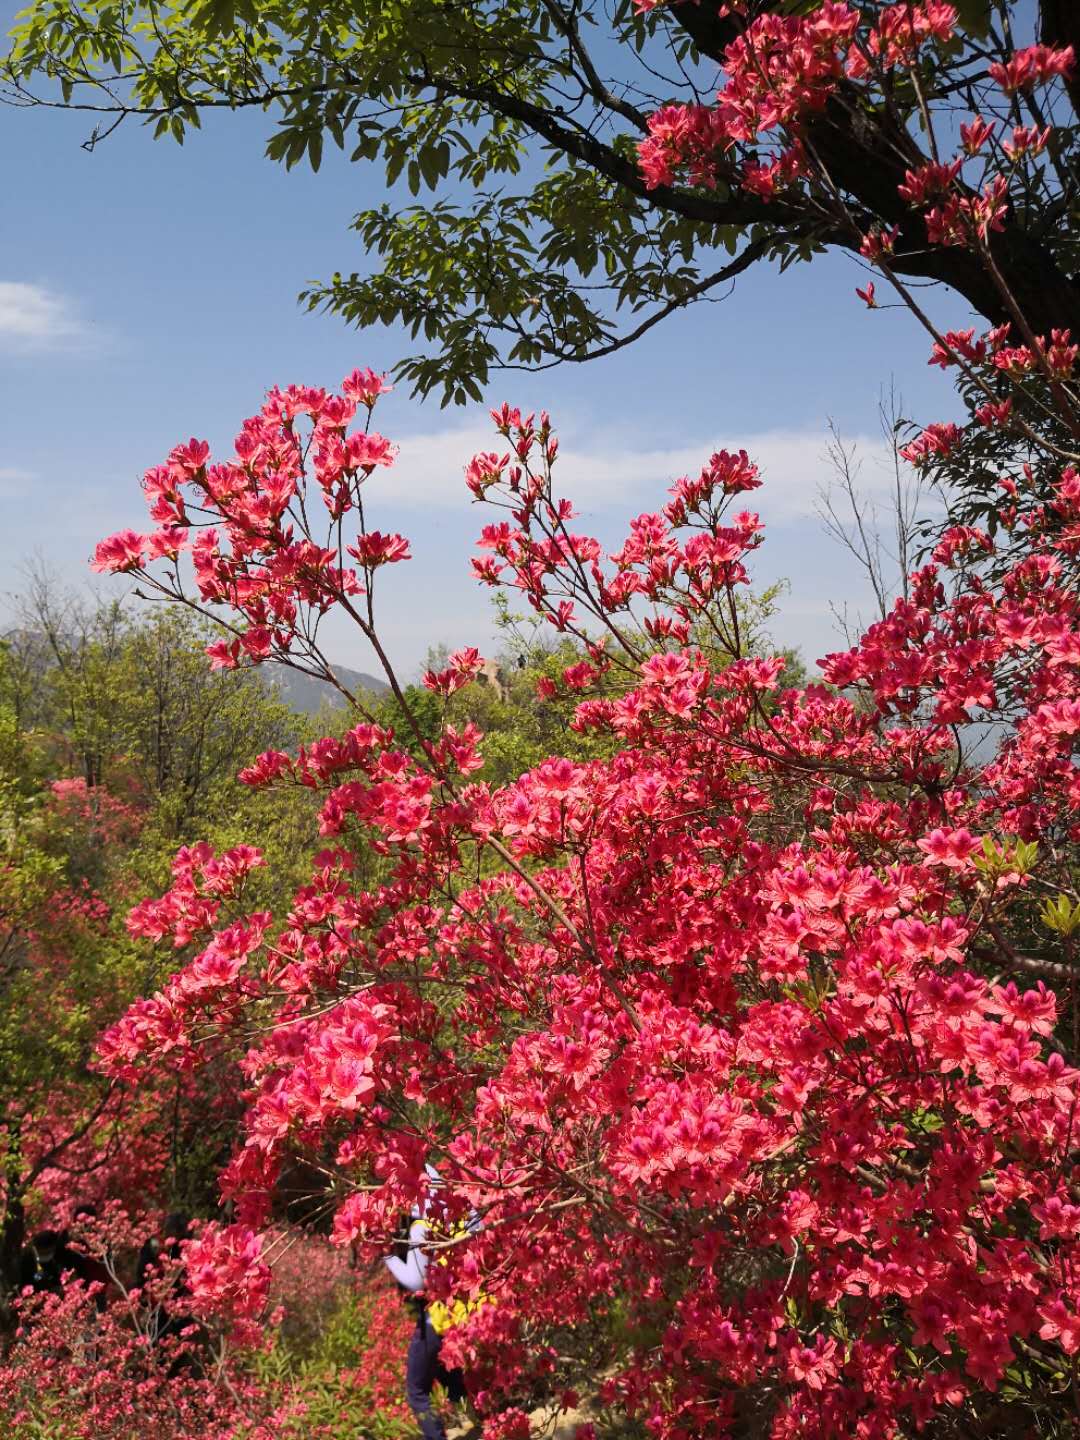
x=306, y=696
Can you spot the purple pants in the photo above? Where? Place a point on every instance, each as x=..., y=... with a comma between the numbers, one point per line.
x=422, y=1370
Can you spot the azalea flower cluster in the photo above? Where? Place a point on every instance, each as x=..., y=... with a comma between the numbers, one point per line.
x=262, y=556
x=782, y=73
x=728, y=1034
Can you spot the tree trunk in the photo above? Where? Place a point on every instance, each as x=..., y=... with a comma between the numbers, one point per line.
x=12, y=1240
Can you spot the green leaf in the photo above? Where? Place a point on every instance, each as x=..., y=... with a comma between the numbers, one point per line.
x=975, y=16
x=1061, y=915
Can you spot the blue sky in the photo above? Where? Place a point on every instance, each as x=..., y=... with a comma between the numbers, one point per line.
x=148, y=293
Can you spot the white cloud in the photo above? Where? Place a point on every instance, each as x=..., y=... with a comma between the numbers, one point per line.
x=598, y=475
x=35, y=315
x=610, y=478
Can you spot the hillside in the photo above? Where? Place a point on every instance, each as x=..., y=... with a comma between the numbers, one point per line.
x=306, y=695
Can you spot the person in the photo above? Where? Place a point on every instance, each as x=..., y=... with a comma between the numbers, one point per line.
x=49, y=1257
x=423, y=1366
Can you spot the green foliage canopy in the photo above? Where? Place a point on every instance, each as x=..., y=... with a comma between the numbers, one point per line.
x=532, y=238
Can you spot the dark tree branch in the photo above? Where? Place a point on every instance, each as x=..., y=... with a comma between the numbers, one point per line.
x=567, y=26
x=739, y=208
x=865, y=153
x=750, y=255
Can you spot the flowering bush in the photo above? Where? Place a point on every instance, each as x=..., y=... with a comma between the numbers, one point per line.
x=113, y=1359
x=379, y=1365
x=308, y=1279
x=90, y=1362
x=782, y=73
x=717, y=1038
x=732, y=1037
x=793, y=90
x=336, y=1352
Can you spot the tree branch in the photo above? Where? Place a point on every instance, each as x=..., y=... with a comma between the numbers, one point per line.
x=750, y=255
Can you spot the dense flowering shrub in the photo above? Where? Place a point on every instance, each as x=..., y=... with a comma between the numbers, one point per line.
x=989, y=149
x=714, y=1037
x=60, y=1126
x=116, y=1359
x=74, y=1373
x=308, y=1277
x=89, y=1362
x=730, y=1039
